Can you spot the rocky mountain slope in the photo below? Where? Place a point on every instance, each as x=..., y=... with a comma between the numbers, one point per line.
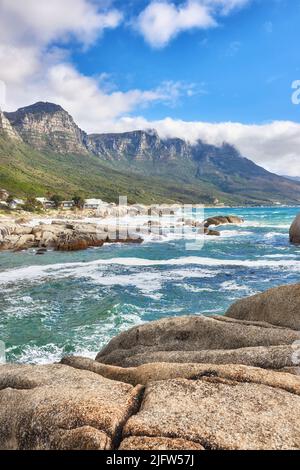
x=203, y=172
x=46, y=125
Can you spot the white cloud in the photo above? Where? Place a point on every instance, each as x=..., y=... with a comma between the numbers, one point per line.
x=162, y=20
x=44, y=21
x=30, y=28
x=35, y=63
x=275, y=146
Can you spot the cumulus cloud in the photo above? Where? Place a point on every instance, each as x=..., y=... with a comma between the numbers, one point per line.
x=93, y=109
x=275, y=145
x=30, y=29
x=35, y=63
x=43, y=21
x=162, y=20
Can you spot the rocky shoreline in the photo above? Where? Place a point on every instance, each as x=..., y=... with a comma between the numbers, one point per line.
x=184, y=383
x=73, y=234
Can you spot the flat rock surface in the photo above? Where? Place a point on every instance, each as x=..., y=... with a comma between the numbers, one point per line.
x=218, y=414
x=59, y=407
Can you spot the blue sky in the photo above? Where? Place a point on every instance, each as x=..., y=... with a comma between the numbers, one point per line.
x=216, y=70
x=241, y=70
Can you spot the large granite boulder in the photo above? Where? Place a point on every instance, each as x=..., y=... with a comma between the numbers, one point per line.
x=59, y=407
x=202, y=339
x=279, y=306
x=295, y=231
x=218, y=414
x=193, y=406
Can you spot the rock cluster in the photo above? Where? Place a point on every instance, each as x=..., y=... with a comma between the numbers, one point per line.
x=186, y=383
x=71, y=235
x=62, y=236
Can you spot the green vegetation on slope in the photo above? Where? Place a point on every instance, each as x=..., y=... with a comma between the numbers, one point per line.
x=27, y=172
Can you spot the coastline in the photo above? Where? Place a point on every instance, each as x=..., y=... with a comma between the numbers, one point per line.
x=185, y=383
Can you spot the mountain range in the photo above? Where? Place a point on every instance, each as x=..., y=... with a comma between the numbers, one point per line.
x=43, y=151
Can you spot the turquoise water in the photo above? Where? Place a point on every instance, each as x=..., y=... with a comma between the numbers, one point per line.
x=66, y=303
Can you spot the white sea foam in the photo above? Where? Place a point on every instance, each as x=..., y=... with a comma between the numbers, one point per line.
x=279, y=255
x=271, y=235
x=33, y=273
x=234, y=286
x=195, y=289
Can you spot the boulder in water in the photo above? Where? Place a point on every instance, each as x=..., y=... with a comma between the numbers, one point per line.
x=295, y=231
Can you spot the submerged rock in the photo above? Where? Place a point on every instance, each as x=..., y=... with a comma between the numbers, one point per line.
x=279, y=306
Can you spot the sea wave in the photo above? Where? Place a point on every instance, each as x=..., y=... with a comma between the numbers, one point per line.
x=90, y=269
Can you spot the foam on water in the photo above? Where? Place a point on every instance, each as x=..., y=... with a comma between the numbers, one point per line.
x=33, y=273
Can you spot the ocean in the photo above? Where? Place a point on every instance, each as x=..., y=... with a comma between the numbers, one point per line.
x=74, y=303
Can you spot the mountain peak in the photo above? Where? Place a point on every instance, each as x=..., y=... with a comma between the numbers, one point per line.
x=42, y=107
x=47, y=125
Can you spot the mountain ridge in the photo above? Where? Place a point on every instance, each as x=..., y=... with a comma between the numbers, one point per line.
x=217, y=171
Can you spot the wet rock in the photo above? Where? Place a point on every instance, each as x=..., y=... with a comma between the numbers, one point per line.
x=223, y=220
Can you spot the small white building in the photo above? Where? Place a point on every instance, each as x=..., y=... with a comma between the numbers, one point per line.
x=67, y=204
x=46, y=203
x=94, y=203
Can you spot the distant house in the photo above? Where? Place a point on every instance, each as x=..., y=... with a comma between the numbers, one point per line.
x=4, y=195
x=46, y=203
x=67, y=204
x=94, y=203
